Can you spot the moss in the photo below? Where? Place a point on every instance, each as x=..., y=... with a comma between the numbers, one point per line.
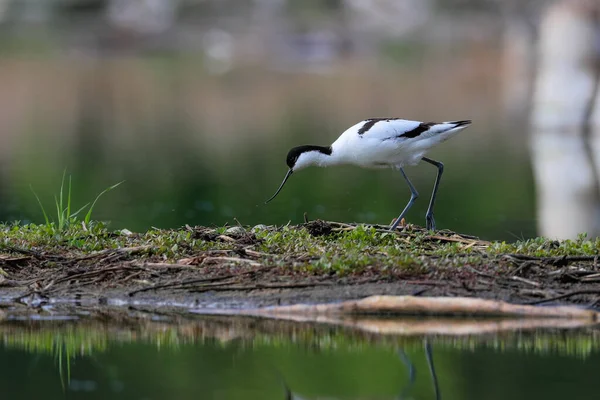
x=543, y=247
x=340, y=249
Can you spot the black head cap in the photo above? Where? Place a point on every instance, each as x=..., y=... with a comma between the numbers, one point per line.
x=294, y=153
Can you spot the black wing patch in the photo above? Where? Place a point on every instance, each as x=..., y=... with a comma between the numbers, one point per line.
x=423, y=126
x=369, y=123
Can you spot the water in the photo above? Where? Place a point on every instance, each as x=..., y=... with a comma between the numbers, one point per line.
x=197, y=120
x=199, y=133
x=193, y=150
x=217, y=358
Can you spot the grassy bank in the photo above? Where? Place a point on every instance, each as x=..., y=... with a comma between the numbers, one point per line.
x=247, y=258
x=317, y=246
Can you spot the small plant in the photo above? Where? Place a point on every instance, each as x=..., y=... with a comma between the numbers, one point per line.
x=64, y=216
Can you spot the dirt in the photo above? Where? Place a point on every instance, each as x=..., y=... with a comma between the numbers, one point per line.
x=243, y=277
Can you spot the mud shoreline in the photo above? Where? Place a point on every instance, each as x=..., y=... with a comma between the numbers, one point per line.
x=264, y=266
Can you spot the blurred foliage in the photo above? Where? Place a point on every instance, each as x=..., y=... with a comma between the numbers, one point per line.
x=201, y=136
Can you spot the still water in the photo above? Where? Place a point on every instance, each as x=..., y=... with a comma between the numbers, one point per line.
x=199, y=149
x=217, y=358
x=201, y=144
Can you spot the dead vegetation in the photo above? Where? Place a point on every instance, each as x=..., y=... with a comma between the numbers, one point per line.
x=317, y=256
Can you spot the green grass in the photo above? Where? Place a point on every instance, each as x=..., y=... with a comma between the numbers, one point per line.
x=62, y=202
x=543, y=247
x=342, y=253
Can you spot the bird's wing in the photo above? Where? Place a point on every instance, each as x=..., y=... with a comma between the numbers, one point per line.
x=403, y=129
x=389, y=128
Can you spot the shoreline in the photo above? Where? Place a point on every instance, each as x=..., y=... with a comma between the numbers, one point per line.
x=315, y=262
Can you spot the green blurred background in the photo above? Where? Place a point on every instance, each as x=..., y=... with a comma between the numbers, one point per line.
x=196, y=103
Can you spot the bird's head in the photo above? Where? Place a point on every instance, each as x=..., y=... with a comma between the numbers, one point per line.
x=304, y=156
x=301, y=157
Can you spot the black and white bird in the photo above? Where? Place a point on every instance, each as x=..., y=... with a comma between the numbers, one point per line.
x=381, y=143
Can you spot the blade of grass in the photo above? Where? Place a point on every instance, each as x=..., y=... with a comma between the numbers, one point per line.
x=88, y=216
x=41, y=206
x=58, y=213
x=80, y=210
x=69, y=201
x=61, y=217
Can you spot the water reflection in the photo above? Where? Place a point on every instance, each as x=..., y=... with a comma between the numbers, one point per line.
x=412, y=373
x=128, y=355
x=429, y=354
x=412, y=376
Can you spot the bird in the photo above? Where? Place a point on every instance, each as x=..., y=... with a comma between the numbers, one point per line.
x=381, y=143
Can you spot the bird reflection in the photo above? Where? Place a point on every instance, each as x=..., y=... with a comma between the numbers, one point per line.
x=404, y=393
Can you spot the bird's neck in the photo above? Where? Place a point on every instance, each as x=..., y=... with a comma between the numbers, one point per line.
x=320, y=156
x=322, y=159
x=323, y=156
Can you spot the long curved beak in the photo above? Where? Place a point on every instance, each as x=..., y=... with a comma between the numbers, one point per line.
x=290, y=171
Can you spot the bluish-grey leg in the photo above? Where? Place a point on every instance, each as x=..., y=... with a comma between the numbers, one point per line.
x=412, y=374
x=429, y=220
x=413, y=196
x=429, y=355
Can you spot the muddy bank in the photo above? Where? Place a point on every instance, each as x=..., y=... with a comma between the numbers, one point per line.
x=318, y=261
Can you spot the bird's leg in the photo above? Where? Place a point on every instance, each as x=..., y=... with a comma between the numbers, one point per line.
x=413, y=196
x=429, y=220
x=429, y=356
x=412, y=374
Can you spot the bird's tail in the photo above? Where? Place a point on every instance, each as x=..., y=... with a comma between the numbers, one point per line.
x=458, y=124
x=450, y=126
x=445, y=130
